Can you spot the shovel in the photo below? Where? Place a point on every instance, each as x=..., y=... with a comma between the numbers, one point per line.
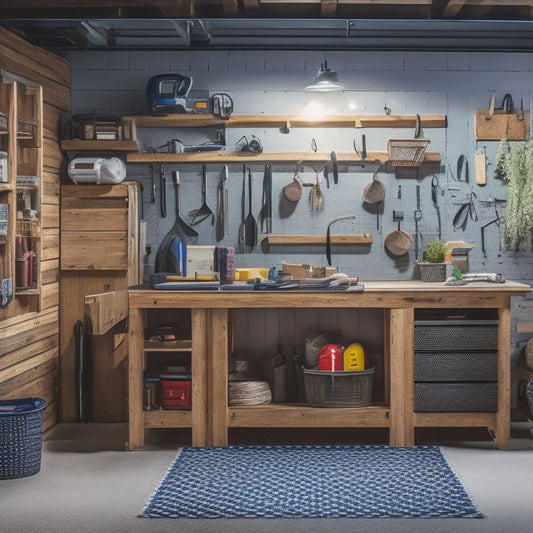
x=171, y=254
x=204, y=211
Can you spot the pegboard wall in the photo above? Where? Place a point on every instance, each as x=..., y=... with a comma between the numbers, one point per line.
x=401, y=83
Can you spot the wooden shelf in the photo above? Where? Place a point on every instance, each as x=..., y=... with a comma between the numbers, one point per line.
x=302, y=415
x=99, y=145
x=167, y=346
x=363, y=238
x=290, y=121
x=272, y=157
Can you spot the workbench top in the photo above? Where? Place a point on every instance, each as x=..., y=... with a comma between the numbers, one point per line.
x=392, y=294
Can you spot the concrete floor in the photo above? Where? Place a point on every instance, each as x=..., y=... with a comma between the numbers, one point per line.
x=88, y=483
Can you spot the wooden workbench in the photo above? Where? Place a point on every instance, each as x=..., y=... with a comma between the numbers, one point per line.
x=211, y=321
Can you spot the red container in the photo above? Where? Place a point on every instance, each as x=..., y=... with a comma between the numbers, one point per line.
x=330, y=358
x=176, y=394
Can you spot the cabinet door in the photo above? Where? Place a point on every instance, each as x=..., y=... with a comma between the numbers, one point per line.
x=96, y=227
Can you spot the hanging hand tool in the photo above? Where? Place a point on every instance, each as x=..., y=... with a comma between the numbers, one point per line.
x=326, y=176
x=418, y=218
x=152, y=184
x=328, y=236
x=249, y=225
x=333, y=156
x=222, y=205
x=434, y=189
x=204, y=211
x=265, y=215
x=496, y=221
x=462, y=166
x=363, y=150
x=467, y=210
x=243, y=211
x=163, y=190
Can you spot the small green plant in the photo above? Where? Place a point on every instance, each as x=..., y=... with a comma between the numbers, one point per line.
x=435, y=252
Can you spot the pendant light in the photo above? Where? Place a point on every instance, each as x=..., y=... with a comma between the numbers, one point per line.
x=325, y=80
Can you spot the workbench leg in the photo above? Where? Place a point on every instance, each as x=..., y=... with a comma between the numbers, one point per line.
x=503, y=416
x=199, y=354
x=401, y=344
x=135, y=380
x=218, y=377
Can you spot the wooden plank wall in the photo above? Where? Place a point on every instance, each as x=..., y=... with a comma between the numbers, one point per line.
x=29, y=341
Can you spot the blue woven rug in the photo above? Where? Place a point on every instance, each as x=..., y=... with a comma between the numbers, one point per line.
x=310, y=481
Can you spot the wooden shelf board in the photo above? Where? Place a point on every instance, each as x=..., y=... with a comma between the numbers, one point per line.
x=363, y=238
x=524, y=327
x=272, y=157
x=302, y=415
x=168, y=346
x=192, y=120
x=167, y=418
x=99, y=145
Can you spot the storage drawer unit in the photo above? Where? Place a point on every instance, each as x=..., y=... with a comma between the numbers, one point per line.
x=456, y=365
x=456, y=397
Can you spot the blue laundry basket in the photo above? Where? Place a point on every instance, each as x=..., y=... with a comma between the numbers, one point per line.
x=21, y=427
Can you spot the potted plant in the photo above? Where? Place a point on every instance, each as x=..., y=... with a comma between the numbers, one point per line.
x=433, y=265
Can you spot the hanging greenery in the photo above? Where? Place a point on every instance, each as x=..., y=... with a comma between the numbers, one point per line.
x=515, y=166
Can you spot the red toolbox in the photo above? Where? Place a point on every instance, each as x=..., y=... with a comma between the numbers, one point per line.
x=176, y=393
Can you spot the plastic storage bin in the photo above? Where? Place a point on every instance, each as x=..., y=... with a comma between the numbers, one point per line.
x=176, y=394
x=21, y=426
x=338, y=389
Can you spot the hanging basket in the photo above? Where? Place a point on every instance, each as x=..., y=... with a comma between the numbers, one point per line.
x=407, y=153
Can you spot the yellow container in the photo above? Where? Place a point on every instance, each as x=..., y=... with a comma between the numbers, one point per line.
x=354, y=357
x=243, y=274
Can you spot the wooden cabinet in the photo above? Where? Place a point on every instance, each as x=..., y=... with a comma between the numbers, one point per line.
x=100, y=250
x=21, y=172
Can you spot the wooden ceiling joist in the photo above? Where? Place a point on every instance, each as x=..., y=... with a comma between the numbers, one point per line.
x=328, y=8
x=231, y=7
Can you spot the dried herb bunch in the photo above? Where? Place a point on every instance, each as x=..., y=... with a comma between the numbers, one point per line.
x=515, y=167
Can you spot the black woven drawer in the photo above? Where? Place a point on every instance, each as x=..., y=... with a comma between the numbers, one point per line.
x=449, y=335
x=456, y=366
x=456, y=397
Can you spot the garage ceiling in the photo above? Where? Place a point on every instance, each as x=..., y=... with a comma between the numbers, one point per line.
x=273, y=24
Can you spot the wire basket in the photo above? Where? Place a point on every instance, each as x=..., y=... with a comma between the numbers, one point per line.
x=4, y=122
x=432, y=271
x=338, y=389
x=21, y=423
x=407, y=153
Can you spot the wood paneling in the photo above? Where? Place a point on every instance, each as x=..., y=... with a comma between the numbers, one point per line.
x=29, y=340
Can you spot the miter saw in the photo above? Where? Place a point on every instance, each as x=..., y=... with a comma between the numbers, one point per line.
x=168, y=93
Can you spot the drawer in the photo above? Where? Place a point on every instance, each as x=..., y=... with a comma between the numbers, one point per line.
x=456, y=397
x=456, y=336
x=456, y=366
